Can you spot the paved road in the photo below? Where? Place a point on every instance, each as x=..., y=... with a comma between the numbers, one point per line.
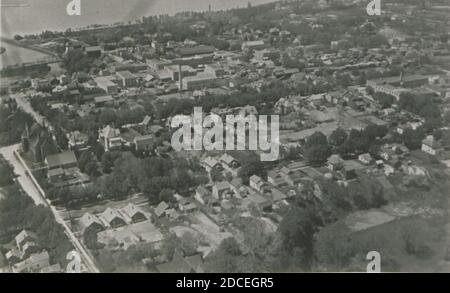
x=29, y=187
x=23, y=179
x=23, y=104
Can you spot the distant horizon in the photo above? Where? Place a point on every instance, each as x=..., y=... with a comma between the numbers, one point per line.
x=94, y=12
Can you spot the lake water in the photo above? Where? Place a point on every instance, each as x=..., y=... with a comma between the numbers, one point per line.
x=17, y=55
x=40, y=15
x=51, y=14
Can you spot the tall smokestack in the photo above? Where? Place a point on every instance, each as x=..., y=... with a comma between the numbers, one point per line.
x=180, y=76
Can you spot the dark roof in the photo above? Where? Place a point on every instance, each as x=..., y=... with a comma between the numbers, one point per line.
x=202, y=49
x=180, y=264
x=65, y=158
x=93, y=48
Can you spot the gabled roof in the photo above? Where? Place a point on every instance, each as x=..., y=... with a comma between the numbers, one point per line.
x=256, y=179
x=180, y=264
x=224, y=185
x=24, y=235
x=88, y=219
x=143, y=138
x=146, y=120
x=202, y=191
x=61, y=159
x=210, y=162
x=161, y=208
x=110, y=215
x=103, y=99
x=39, y=257
x=131, y=210
x=335, y=159
x=227, y=159
x=110, y=132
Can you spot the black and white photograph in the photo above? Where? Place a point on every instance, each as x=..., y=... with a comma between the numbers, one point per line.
x=225, y=136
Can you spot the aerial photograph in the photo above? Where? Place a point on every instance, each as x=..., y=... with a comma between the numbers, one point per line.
x=224, y=136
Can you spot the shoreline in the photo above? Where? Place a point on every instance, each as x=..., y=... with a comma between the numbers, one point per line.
x=26, y=46
x=135, y=20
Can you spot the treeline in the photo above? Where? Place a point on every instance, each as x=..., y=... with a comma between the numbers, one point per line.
x=12, y=125
x=318, y=148
x=18, y=212
x=295, y=246
x=125, y=174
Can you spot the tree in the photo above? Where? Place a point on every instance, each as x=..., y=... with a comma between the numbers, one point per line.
x=316, y=149
x=385, y=100
x=446, y=138
x=84, y=159
x=216, y=175
x=6, y=177
x=251, y=165
x=413, y=138
x=108, y=160
x=375, y=131
x=297, y=230
x=189, y=243
x=225, y=259
x=166, y=195
x=76, y=60
x=92, y=169
x=338, y=137
x=332, y=247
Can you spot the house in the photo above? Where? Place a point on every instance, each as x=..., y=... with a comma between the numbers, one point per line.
x=62, y=169
x=379, y=163
x=24, y=237
x=365, y=158
x=13, y=256
x=53, y=269
x=110, y=138
x=256, y=183
x=335, y=162
x=289, y=176
x=34, y=263
x=229, y=161
x=134, y=213
x=274, y=177
x=77, y=141
x=431, y=146
x=350, y=169
x=388, y=170
x=202, y=195
x=181, y=264
x=113, y=218
x=29, y=247
x=187, y=206
x=93, y=51
x=222, y=190
x=92, y=222
x=172, y=214
x=161, y=209
x=144, y=142
x=64, y=160
x=211, y=163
